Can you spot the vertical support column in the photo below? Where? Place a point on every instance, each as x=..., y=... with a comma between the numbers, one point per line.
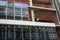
x=5, y=32
x=30, y=2
x=22, y=34
x=14, y=10
x=32, y=11
x=30, y=32
x=21, y=13
x=14, y=32
x=6, y=9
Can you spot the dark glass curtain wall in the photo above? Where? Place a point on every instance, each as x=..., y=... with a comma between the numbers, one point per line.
x=11, y=32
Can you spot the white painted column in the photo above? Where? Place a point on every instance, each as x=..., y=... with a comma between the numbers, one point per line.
x=32, y=11
x=14, y=10
x=6, y=9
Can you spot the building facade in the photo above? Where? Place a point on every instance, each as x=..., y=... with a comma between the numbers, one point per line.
x=57, y=6
x=28, y=20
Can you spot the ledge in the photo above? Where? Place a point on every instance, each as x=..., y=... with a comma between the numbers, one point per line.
x=28, y=23
x=35, y=7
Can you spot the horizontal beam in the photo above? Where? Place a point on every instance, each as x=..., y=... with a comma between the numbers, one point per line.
x=34, y=7
x=29, y=23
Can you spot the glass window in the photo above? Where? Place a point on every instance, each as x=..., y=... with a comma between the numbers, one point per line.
x=18, y=11
x=18, y=32
x=34, y=35
x=2, y=32
x=13, y=10
x=3, y=2
x=2, y=12
x=10, y=4
x=41, y=33
x=2, y=9
x=25, y=11
x=26, y=33
x=10, y=33
x=10, y=11
x=46, y=30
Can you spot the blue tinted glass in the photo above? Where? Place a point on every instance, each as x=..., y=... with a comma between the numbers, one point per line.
x=2, y=13
x=25, y=10
x=3, y=3
x=2, y=0
x=10, y=11
x=24, y=6
x=47, y=35
x=10, y=4
x=18, y=5
x=26, y=33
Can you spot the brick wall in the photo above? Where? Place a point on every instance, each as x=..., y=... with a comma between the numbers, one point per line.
x=21, y=1
x=58, y=32
x=46, y=15
x=43, y=3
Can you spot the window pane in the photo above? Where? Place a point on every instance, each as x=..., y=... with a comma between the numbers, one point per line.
x=3, y=3
x=18, y=11
x=10, y=11
x=18, y=32
x=2, y=9
x=10, y=33
x=41, y=33
x=46, y=30
x=2, y=0
x=2, y=32
x=25, y=11
x=52, y=34
x=26, y=33
x=34, y=35
x=2, y=12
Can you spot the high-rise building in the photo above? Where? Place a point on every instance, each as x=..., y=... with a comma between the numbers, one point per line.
x=28, y=20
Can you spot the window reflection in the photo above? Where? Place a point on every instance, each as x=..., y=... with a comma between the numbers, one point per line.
x=14, y=10
x=3, y=3
x=25, y=11
x=2, y=10
x=34, y=33
x=11, y=32
x=18, y=11
x=18, y=32
x=26, y=33
x=46, y=30
x=2, y=32
x=41, y=33
x=10, y=10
